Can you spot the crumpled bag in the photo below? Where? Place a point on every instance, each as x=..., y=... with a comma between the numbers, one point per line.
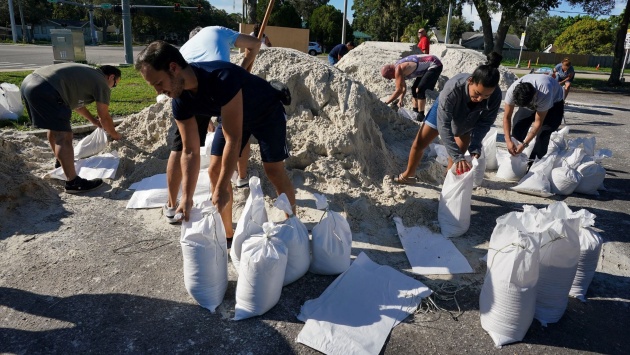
x=590, y=248
x=557, y=140
x=332, y=241
x=455, y=199
x=204, y=250
x=261, y=274
x=507, y=300
x=93, y=144
x=440, y=152
x=251, y=220
x=295, y=237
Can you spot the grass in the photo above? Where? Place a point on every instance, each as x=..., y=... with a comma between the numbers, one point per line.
x=512, y=63
x=130, y=96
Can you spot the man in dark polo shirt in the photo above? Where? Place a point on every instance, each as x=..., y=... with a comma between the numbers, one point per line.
x=247, y=104
x=52, y=92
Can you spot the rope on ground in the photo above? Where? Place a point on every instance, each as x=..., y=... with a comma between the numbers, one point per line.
x=446, y=292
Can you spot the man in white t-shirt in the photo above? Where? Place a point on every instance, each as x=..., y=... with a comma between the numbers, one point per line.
x=541, y=106
x=207, y=44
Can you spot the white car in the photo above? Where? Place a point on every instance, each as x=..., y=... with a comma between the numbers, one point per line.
x=314, y=48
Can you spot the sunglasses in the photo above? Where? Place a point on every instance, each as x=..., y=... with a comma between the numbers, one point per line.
x=115, y=82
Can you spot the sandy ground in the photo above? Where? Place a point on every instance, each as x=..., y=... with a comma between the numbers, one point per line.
x=83, y=274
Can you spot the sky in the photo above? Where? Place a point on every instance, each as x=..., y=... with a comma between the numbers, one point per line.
x=470, y=13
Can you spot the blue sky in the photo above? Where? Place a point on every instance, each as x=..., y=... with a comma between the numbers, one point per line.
x=470, y=13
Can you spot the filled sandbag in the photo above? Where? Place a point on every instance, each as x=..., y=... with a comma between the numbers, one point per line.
x=590, y=249
x=295, y=237
x=261, y=274
x=479, y=172
x=441, y=155
x=92, y=144
x=332, y=241
x=455, y=199
x=251, y=221
x=204, y=250
x=564, y=180
x=593, y=176
x=11, y=106
x=536, y=181
x=489, y=144
x=571, y=158
x=511, y=168
x=587, y=143
x=557, y=141
x=507, y=300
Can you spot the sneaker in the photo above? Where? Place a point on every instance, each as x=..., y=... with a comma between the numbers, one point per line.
x=57, y=163
x=420, y=117
x=229, y=242
x=241, y=183
x=169, y=214
x=79, y=185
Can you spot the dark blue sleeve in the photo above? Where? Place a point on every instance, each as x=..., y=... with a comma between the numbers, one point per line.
x=335, y=51
x=179, y=111
x=226, y=84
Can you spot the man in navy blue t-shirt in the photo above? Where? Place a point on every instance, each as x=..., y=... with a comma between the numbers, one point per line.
x=339, y=51
x=247, y=105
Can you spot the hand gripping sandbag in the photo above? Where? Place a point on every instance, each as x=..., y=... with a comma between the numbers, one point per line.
x=489, y=145
x=93, y=144
x=204, y=250
x=590, y=249
x=559, y=255
x=261, y=274
x=332, y=242
x=478, y=174
x=511, y=168
x=295, y=237
x=508, y=296
x=251, y=220
x=455, y=199
x=593, y=176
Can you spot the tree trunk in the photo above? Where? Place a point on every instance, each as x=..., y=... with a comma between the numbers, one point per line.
x=613, y=80
x=486, y=25
x=502, y=31
x=251, y=11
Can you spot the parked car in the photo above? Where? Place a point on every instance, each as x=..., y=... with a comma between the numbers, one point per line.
x=314, y=48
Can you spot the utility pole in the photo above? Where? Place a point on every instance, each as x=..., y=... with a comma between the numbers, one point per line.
x=92, y=28
x=518, y=64
x=126, y=22
x=12, y=17
x=343, y=27
x=448, y=23
x=25, y=35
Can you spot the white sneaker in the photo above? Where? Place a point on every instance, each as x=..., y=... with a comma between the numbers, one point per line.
x=240, y=183
x=169, y=213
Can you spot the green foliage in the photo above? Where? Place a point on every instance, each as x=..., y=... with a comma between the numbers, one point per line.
x=130, y=96
x=283, y=14
x=305, y=8
x=459, y=25
x=326, y=24
x=410, y=35
x=587, y=36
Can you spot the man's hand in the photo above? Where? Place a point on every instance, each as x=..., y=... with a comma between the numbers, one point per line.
x=211, y=127
x=97, y=122
x=462, y=166
x=519, y=149
x=511, y=148
x=220, y=198
x=184, y=209
x=116, y=136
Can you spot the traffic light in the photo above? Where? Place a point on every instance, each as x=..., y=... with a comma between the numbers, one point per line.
x=177, y=7
x=117, y=9
x=199, y=8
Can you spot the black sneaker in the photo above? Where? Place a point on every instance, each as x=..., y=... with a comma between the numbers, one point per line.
x=420, y=117
x=79, y=185
x=57, y=163
x=283, y=92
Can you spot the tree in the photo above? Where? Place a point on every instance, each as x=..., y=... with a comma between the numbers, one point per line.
x=588, y=36
x=410, y=35
x=283, y=14
x=305, y=8
x=542, y=29
x=597, y=7
x=459, y=25
x=326, y=25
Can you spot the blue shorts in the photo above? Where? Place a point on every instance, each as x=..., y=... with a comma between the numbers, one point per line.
x=271, y=136
x=431, y=117
x=332, y=60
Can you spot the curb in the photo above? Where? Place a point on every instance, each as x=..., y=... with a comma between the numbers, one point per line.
x=42, y=133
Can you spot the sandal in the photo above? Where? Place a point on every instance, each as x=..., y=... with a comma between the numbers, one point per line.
x=400, y=179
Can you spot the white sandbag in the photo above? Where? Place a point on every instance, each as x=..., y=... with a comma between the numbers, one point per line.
x=478, y=173
x=587, y=143
x=593, y=176
x=441, y=153
x=564, y=180
x=295, y=237
x=557, y=140
x=408, y=114
x=93, y=144
x=559, y=255
x=489, y=144
x=590, y=249
x=207, y=147
x=536, y=181
x=251, y=221
x=332, y=242
x=530, y=148
x=570, y=158
x=511, y=168
x=455, y=199
x=602, y=154
x=508, y=297
x=11, y=106
x=261, y=274
x=204, y=250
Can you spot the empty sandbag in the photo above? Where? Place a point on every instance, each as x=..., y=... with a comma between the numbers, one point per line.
x=204, y=250
x=92, y=144
x=251, y=221
x=295, y=237
x=455, y=199
x=332, y=241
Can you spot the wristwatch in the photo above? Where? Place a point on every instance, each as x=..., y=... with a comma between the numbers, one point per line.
x=525, y=145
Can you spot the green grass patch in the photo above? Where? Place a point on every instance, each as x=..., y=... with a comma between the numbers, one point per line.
x=130, y=96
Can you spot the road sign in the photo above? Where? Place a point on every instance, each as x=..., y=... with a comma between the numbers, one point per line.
x=106, y=6
x=522, y=39
x=627, y=44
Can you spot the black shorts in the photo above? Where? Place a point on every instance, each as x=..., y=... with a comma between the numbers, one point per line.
x=44, y=105
x=271, y=136
x=202, y=126
x=425, y=82
x=523, y=120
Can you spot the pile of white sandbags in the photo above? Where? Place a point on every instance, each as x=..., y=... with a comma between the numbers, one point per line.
x=533, y=262
x=569, y=166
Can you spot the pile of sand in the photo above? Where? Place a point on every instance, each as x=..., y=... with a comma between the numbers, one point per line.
x=365, y=61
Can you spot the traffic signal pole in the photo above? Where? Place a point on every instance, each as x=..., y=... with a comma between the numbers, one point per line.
x=126, y=22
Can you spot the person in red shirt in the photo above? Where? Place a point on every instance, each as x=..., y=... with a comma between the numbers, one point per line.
x=423, y=41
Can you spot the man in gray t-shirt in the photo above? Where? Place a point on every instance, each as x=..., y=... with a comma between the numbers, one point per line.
x=52, y=92
x=541, y=106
